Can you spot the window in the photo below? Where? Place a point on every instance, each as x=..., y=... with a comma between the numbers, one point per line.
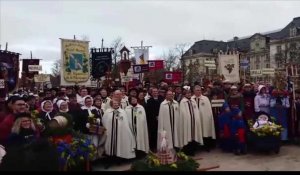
x=267, y=65
x=257, y=59
x=293, y=31
x=278, y=48
x=257, y=66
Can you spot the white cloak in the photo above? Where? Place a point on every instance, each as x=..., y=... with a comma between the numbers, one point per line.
x=173, y=127
x=191, y=123
x=124, y=102
x=140, y=131
x=120, y=141
x=206, y=116
x=105, y=105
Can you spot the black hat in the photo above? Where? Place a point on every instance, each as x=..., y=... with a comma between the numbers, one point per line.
x=23, y=114
x=55, y=89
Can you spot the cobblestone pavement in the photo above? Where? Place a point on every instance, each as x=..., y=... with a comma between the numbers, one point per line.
x=288, y=159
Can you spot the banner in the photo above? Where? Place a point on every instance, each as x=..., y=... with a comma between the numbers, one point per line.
x=9, y=71
x=75, y=67
x=156, y=64
x=101, y=63
x=34, y=68
x=268, y=71
x=173, y=77
x=27, y=64
x=141, y=68
x=41, y=78
x=229, y=67
x=141, y=55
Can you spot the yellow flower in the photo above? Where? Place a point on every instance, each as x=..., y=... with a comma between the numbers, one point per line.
x=173, y=165
x=156, y=162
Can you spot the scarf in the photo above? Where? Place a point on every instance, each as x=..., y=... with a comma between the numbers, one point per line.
x=59, y=103
x=89, y=109
x=47, y=112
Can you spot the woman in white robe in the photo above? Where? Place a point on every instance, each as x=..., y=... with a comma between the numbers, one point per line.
x=120, y=140
x=169, y=121
x=192, y=127
x=136, y=116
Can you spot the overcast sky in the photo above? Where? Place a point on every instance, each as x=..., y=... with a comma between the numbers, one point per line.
x=38, y=25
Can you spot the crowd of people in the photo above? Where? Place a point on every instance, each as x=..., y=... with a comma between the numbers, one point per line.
x=193, y=118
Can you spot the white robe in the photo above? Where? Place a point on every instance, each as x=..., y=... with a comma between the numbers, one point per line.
x=170, y=124
x=206, y=116
x=191, y=122
x=106, y=105
x=120, y=140
x=124, y=102
x=140, y=129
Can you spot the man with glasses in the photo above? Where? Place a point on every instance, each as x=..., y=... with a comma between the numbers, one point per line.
x=18, y=106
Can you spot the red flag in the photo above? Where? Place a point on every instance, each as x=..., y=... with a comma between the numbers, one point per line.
x=156, y=64
x=173, y=77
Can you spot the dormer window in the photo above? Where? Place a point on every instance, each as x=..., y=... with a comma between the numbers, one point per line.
x=293, y=32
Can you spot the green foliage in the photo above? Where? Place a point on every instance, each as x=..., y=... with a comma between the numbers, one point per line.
x=151, y=163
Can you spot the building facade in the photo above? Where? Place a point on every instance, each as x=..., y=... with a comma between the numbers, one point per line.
x=266, y=53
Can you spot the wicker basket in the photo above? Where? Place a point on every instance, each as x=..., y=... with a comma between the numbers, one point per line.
x=96, y=129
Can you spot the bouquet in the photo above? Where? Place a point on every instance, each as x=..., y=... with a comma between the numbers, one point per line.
x=271, y=129
x=94, y=125
x=35, y=117
x=80, y=150
x=152, y=163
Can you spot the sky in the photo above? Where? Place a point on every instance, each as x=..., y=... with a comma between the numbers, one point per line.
x=37, y=25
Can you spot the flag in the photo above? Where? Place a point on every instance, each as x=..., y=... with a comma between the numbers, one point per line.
x=156, y=64
x=229, y=67
x=173, y=77
x=75, y=68
x=142, y=60
x=140, y=68
x=25, y=69
x=141, y=55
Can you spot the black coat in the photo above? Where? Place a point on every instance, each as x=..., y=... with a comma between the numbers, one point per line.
x=44, y=118
x=81, y=120
x=152, y=111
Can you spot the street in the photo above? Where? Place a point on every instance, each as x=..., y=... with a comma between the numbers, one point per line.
x=287, y=160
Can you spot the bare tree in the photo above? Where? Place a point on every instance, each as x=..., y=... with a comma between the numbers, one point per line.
x=117, y=44
x=55, y=75
x=116, y=56
x=180, y=49
x=171, y=59
x=56, y=66
x=84, y=37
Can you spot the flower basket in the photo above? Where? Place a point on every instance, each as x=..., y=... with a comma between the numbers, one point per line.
x=96, y=129
x=266, y=138
x=152, y=163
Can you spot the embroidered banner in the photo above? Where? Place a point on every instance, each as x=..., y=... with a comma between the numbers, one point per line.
x=75, y=62
x=229, y=67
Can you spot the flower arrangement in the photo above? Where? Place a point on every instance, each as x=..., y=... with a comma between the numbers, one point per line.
x=93, y=125
x=152, y=163
x=271, y=129
x=35, y=117
x=79, y=151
